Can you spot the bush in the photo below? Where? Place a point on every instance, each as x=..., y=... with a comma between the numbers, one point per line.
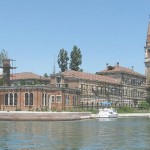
x=144, y=105
x=125, y=109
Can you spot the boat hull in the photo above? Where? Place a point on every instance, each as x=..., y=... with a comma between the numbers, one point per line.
x=107, y=113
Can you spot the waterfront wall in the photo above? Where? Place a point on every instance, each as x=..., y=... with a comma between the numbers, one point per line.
x=42, y=116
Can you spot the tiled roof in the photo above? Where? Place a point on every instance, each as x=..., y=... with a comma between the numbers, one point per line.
x=89, y=76
x=119, y=69
x=26, y=75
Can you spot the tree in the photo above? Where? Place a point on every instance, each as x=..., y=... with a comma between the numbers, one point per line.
x=144, y=105
x=1, y=81
x=3, y=55
x=75, y=59
x=63, y=60
x=45, y=75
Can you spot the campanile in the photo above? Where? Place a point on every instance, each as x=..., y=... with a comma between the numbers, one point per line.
x=147, y=56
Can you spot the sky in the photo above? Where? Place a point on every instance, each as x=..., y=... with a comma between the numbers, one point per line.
x=106, y=31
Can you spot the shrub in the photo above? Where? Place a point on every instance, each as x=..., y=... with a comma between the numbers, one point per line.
x=125, y=109
x=144, y=105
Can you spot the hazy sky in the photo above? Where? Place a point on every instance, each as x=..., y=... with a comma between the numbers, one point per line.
x=106, y=31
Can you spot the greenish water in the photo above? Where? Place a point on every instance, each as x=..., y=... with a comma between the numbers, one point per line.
x=94, y=134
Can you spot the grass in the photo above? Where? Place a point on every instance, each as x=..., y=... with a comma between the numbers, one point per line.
x=132, y=110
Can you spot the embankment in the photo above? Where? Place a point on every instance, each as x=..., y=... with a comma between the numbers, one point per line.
x=42, y=116
x=133, y=114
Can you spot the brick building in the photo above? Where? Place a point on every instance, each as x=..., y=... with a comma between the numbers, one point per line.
x=116, y=84
x=132, y=84
x=36, y=96
x=70, y=89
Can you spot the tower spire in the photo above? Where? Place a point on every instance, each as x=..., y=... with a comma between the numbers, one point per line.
x=148, y=34
x=147, y=54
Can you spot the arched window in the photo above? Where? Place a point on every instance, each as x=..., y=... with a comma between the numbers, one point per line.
x=11, y=99
x=6, y=99
x=26, y=99
x=29, y=97
x=15, y=98
x=44, y=99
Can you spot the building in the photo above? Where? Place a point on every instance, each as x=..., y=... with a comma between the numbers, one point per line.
x=132, y=84
x=147, y=55
x=29, y=91
x=37, y=98
x=73, y=89
x=28, y=78
x=119, y=85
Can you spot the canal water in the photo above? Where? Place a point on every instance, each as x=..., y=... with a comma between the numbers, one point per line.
x=92, y=134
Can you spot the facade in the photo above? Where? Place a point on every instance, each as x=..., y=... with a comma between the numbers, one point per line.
x=36, y=96
x=121, y=86
x=132, y=84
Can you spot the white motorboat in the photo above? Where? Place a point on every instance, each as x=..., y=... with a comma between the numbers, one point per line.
x=107, y=113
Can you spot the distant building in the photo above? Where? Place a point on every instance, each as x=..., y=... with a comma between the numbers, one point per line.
x=73, y=89
x=36, y=94
x=116, y=84
x=147, y=56
x=28, y=78
x=132, y=84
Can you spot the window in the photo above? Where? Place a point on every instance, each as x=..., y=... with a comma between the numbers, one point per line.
x=15, y=98
x=44, y=99
x=29, y=99
x=58, y=99
x=6, y=99
x=67, y=100
x=58, y=81
x=74, y=100
x=26, y=99
x=11, y=99
x=53, y=99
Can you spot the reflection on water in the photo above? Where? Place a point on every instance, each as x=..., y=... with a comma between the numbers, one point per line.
x=95, y=134
x=107, y=119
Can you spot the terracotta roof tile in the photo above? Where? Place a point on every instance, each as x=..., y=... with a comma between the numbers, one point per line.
x=89, y=76
x=26, y=75
x=116, y=69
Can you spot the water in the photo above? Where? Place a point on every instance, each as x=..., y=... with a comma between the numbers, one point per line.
x=93, y=134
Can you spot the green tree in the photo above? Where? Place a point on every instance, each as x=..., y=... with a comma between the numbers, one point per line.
x=63, y=60
x=3, y=55
x=75, y=59
x=144, y=105
x=45, y=75
x=1, y=81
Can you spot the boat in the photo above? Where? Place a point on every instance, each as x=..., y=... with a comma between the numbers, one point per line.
x=107, y=113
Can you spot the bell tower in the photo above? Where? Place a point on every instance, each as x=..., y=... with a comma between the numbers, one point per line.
x=147, y=56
